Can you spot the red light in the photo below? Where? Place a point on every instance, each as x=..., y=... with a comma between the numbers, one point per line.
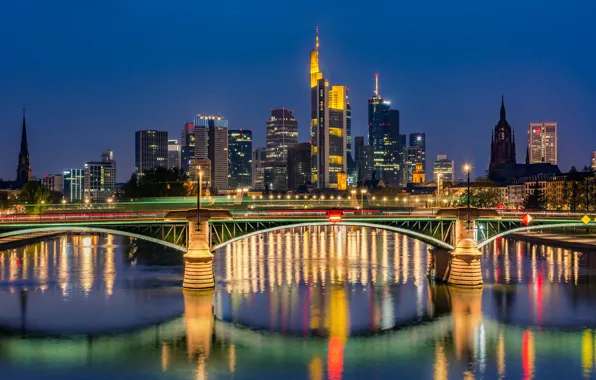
x=526, y=219
x=335, y=215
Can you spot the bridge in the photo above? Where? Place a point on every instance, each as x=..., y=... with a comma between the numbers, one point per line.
x=454, y=235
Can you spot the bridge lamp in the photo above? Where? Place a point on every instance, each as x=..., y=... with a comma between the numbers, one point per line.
x=416, y=200
x=297, y=197
x=322, y=197
x=110, y=200
x=374, y=198
x=384, y=199
x=42, y=201
x=279, y=197
x=253, y=197
x=331, y=197
x=339, y=197
x=396, y=199
x=63, y=201
x=314, y=197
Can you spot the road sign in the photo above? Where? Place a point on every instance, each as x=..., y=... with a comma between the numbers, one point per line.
x=586, y=219
x=526, y=219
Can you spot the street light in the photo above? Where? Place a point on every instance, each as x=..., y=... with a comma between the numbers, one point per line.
x=200, y=183
x=362, y=192
x=467, y=170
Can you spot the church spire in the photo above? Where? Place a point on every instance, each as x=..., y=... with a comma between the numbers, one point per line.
x=503, y=115
x=24, y=166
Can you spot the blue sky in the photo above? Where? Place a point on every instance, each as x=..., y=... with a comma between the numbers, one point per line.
x=92, y=73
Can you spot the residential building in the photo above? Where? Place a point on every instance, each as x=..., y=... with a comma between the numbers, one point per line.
x=73, y=184
x=239, y=158
x=174, y=154
x=502, y=150
x=259, y=158
x=151, y=150
x=299, y=165
x=211, y=142
x=187, y=146
x=542, y=143
x=443, y=170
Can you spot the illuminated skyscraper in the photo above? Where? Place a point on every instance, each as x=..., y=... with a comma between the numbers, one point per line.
x=73, y=184
x=383, y=136
x=594, y=160
x=329, y=126
x=259, y=158
x=418, y=140
x=239, y=158
x=187, y=146
x=443, y=169
x=211, y=142
x=151, y=150
x=542, y=143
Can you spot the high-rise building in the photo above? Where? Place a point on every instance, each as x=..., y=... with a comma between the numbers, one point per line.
x=187, y=146
x=418, y=140
x=383, y=136
x=99, y=182
x=542, y=143
x=211, y=142
x=282, y=132
x=365, y=162
x=594, y=160
x=174, y=154
x=53, y=182
x=443, y=169
x=405, y=171
x=73, y=184
x=24, y=166
x=299, y=165
x=414, y=155
x=502, y=150
x=328, y=129
x=239, y=158
x=259, y=158
x=151, y=150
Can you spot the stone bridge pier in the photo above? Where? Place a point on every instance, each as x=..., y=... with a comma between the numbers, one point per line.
x=198, y=260
x=461, y=266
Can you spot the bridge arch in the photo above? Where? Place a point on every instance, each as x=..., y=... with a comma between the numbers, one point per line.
x=530, y=228
x=91, y=230
x=413, y=234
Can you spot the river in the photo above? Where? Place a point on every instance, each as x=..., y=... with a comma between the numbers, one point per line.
x=315, y=303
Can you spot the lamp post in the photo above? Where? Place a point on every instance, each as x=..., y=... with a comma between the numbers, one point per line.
x=200, y=183
x=362, y=192
x=467, y=170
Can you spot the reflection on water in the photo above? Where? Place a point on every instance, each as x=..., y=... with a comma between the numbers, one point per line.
x=316, y=303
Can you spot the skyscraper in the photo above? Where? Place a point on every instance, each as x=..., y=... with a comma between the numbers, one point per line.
x=239, y=158
x=365, y=162
x=259, y=158
x=414, y=156
x=151, y=150
x=502, y=150
x=174, y=154
x=418, y=140
x=443, y=169
x=24, y=166
x=328, y=129
x=299, y=165
x=211, y=142
x=282, y=133
x=383, y=136
x=542, y=143
x=187, y=145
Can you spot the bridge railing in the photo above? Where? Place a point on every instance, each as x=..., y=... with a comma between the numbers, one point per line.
x=25, y=218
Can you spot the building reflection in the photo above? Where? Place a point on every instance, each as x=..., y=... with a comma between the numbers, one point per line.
x=71, y=261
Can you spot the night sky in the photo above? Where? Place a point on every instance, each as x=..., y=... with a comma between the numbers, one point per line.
x=91, y=73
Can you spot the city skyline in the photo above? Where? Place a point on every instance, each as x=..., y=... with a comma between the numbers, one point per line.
x=458, y=92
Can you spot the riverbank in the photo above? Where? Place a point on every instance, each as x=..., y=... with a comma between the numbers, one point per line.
x=581, y=241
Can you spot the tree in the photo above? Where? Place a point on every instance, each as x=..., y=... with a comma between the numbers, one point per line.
x=34, y=193
x=536, y=200
x=159, y=182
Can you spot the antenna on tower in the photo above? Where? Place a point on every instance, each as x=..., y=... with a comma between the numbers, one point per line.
x=377, y=84
x=317, y=39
